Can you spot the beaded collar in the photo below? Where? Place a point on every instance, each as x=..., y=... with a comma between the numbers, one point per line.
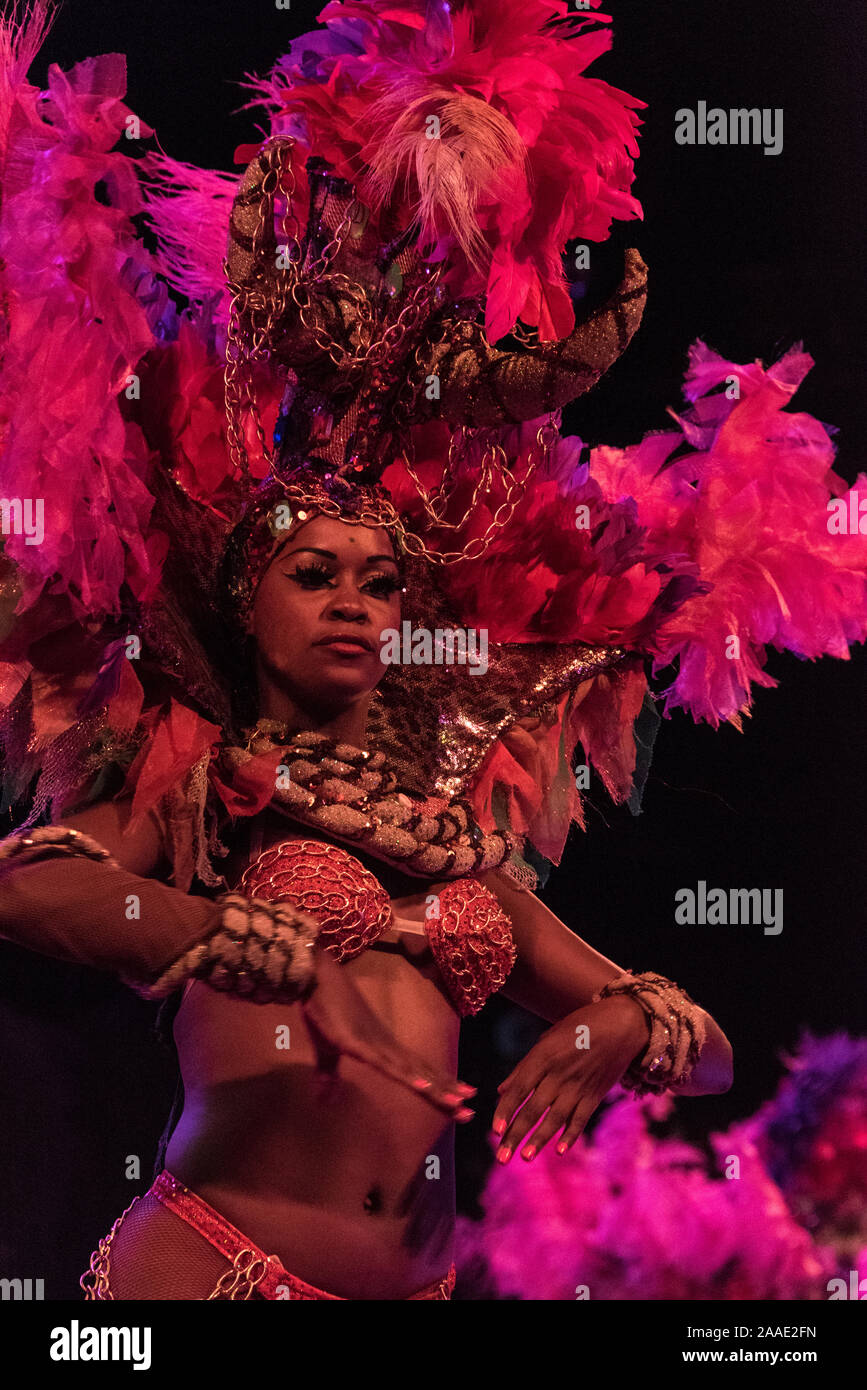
x=355, y=795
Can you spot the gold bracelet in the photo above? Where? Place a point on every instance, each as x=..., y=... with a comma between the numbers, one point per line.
x=55, y=837
x=677, y=1031
x=262, y=951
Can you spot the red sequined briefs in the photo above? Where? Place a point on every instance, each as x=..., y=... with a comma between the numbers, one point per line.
x=471, y=937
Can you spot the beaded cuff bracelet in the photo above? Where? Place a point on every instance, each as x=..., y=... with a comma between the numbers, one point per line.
x=262, y=951
x=59, y=837
x=677, y=1032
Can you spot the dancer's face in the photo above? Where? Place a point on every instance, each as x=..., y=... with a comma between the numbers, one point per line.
x=328, y=580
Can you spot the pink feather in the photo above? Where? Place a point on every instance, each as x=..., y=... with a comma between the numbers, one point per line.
x=189, y=210
x=78, y=286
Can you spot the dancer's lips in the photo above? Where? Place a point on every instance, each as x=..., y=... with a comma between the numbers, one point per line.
x=348, y=643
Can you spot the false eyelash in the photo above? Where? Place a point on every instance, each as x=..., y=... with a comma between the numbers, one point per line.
x=314, y=570
x=389, y=582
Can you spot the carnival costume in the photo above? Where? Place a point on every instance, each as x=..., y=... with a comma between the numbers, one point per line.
x=387, y=338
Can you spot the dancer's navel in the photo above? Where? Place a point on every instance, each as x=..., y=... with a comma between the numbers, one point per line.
x=373, y=1201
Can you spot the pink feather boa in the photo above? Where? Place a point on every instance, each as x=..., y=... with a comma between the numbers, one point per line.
x=626, y=1216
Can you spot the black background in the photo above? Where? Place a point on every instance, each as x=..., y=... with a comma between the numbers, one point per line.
x=749, y=252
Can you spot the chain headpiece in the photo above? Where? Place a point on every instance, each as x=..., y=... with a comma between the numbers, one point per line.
x=370, y=343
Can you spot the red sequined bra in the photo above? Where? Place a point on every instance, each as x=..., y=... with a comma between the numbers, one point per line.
x=469, y=933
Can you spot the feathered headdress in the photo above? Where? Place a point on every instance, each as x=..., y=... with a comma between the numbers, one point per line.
x=114, y=674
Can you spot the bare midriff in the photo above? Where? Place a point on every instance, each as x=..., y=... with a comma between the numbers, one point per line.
x=344, y=1174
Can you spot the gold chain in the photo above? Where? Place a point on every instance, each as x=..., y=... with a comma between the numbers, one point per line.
x=527, y=337
x=263, y=313
x=100, y=1264
x=435, y=504
x=382, y=513
x=237, y=1283
x=515, y=488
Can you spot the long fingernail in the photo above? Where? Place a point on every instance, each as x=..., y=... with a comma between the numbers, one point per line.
x=504, y=1153
x=562, y=1147
x=465, y=1114
x=499, y=1127
x=467, y=1090
x=452, y=1097
x=421, y=1084
x=528, y=1153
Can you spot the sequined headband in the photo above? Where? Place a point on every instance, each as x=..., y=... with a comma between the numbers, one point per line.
x=275, y=511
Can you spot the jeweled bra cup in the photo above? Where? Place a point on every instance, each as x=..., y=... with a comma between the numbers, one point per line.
x=469, y=933
x=350, y=904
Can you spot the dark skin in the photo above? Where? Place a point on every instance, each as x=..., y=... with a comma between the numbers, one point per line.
x=336, y=1152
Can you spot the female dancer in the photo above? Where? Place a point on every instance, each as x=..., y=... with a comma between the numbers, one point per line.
x=344, y=1172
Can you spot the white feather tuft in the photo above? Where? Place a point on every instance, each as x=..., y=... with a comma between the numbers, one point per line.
x=475, y=158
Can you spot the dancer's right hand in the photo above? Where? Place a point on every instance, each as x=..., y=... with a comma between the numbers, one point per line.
x=341, y=1022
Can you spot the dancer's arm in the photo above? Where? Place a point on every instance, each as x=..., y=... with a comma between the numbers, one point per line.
x=139, y=848
x=111, y=917
x=556, y=973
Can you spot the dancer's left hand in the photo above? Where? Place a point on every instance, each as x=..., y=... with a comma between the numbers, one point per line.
x=566, y=1080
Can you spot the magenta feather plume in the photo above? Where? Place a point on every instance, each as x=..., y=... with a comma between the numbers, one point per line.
x=189, y=210
x=627, y=1216
x=750, y=505
x=81, y=304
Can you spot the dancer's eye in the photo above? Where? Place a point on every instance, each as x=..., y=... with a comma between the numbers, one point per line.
x=383, y=585
x=314, y=575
